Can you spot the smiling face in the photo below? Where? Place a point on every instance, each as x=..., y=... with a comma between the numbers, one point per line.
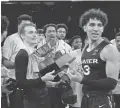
x=77, y=43
x=94, y=29
x=61, y=33
x=50, y=33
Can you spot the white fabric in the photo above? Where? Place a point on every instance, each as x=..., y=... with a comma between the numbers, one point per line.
x=113, y=42
x=11, y=47
x=61, y=45
x=64, y=47
x=32, y=70
x=76, y=66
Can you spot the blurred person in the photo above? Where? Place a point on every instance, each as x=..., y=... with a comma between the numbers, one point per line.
x=4, y=90
x=76, y=43
x=54, y=93
x=12, y=45
x=99, y=62
x=62, y=31
x=116, y=91
x=41, y=37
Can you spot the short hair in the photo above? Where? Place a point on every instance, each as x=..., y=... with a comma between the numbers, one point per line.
x=40, y=31
x=24, y=17
x=4, y=23
x=22, y=26
x=62, y=26
x=91, y=14
x=117, y=34
x=73, y=38
x=48, y=25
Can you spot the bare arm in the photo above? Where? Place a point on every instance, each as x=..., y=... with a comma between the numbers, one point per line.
x=110, y=55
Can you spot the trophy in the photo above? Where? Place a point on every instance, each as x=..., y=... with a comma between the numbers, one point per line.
x=56, y=63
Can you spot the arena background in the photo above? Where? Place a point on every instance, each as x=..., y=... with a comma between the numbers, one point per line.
x=62, y=12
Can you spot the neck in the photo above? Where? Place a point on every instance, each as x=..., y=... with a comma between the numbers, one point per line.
x=30, y=47
x=93, y=44
x=74, y=48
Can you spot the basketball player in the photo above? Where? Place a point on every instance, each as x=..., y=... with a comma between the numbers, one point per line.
x=99, y=63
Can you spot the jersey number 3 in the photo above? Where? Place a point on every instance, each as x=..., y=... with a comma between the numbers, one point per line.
x=86, y=70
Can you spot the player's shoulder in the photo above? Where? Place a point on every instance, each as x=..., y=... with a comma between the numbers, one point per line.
x=110, y=48
x=109, y=52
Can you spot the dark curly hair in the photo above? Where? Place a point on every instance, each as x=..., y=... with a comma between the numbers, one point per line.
x=4, y=23
x=91, y=14
x=73, y=38
x=40, y=31
x=48, y=25
x=62, y=26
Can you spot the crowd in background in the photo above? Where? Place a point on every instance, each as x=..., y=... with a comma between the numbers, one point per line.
x=18, y=64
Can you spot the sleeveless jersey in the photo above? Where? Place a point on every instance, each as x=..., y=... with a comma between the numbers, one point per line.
x=93, y=65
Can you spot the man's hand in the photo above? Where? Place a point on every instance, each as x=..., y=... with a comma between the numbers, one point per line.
x=77, y=77
x=5, y=90
x=48, y=76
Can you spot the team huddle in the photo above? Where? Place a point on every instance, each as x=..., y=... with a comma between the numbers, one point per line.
x=78, y=74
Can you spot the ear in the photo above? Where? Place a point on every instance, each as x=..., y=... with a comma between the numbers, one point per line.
x=84, y=28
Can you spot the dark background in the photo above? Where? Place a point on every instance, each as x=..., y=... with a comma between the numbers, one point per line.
x=62, y=12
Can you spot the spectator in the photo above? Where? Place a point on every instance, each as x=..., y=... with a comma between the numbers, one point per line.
x=76, y=43
x=4, y=70
x=12, y=45
x=41, y=37
x=62, y=31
